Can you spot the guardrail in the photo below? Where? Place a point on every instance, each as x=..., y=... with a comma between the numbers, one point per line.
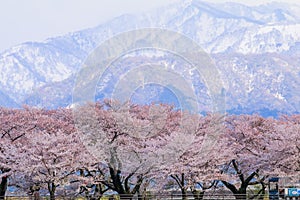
x=289, y=194
x=142, y=197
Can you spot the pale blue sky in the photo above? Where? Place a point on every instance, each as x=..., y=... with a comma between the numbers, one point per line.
x=36, y=20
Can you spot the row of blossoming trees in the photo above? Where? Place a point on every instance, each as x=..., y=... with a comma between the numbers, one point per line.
x=130, y=149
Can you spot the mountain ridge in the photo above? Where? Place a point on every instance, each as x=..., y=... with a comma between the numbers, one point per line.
x=221, y=29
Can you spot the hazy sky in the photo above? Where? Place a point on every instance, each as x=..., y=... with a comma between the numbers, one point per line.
x=36, y=20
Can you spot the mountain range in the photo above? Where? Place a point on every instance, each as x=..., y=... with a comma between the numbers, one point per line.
x=255, y=48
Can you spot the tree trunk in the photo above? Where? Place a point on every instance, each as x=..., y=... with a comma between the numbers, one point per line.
x=261, y=194
x=97, y=193
x=241, y=195
x=140, y=196
x=3, y=187
x=181, y=183
x=123, y=188
x=143, y=195
x=36, y=195
x=34, y=192
x=51, y=189
x=198, y=195
x=183, y=193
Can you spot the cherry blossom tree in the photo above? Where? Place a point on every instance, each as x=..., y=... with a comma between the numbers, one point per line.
x=126, y=139
x=40, y=147
x=127, y=148
x=51, y=160
x=199, y=157
x=13, y=127
x=249, y=138
x=6, y=162
x=52, y=152
x=287, y=147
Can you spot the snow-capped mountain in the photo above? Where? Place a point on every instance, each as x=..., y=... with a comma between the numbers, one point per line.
x=256, y=49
